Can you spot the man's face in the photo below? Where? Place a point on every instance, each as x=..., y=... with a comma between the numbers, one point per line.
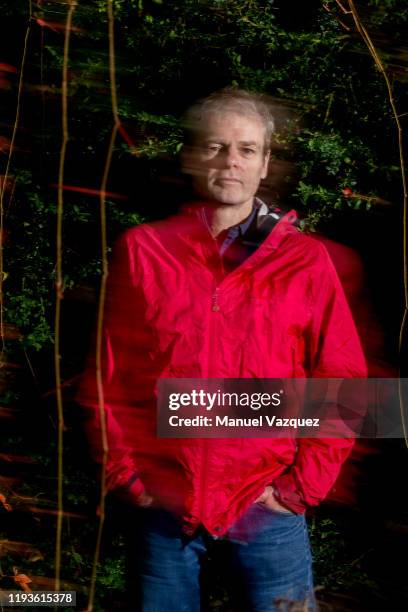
x=228, y=160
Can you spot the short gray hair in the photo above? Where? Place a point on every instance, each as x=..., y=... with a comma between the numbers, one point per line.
x=233, y=100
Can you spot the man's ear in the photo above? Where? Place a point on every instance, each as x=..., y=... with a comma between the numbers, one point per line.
x=266, y=164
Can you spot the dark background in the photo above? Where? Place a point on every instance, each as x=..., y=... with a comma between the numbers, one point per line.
x=336, y=132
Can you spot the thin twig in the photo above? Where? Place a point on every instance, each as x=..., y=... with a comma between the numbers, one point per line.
x=342, y=8
x=101, y=304
x=343, y=25
x=59, y=292
x=6, y=174
x=329, y=105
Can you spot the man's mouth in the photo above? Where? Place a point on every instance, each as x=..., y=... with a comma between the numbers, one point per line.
x=228, y=181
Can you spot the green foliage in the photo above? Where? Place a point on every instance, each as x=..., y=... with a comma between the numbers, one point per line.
x=166, y=55
x=30, y=261
x=112, y=574
x=334, y=568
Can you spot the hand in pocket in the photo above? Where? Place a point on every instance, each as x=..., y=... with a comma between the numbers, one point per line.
x=269, y=500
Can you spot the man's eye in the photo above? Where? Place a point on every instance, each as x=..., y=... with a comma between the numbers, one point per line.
x=248, y=152
x=213, y=147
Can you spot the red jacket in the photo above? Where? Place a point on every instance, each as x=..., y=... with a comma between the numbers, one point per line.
x=171, y=312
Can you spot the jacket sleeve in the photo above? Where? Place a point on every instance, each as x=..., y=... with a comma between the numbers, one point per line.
x=120, y=338
x=333, y=351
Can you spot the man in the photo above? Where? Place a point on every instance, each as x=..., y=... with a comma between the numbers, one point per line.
x=225, y=289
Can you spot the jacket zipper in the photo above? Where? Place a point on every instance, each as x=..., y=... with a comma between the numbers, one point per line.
x=212, y=331
x=215, y=306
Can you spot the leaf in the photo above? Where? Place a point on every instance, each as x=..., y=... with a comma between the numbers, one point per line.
x=5, y=504
x=23, y=580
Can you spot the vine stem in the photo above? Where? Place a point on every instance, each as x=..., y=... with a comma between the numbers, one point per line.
x=3, y=186
x=102, y=298
x=373, y=51
x=59, y=293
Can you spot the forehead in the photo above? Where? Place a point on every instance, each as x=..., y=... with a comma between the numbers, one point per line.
x=231, y=126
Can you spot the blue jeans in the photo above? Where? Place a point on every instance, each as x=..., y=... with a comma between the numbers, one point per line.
x=268, y=556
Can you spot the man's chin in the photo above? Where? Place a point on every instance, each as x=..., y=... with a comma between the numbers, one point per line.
x=227, y=198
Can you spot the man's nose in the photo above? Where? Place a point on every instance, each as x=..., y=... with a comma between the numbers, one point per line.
x=230, y=157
